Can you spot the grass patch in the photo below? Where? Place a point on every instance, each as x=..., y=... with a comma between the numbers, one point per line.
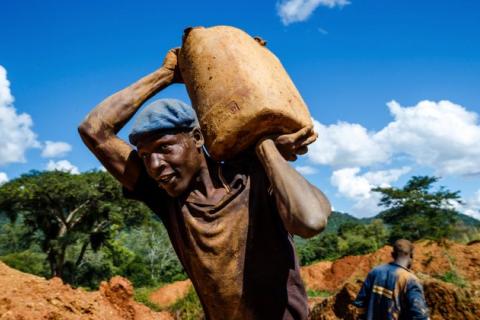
x=141, y=295
x=453, y=277
x=318, y=293
x=188, y=308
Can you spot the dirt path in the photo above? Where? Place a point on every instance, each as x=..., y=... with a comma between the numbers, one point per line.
x=170, y=293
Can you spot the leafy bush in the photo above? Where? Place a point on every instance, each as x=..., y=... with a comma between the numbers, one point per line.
x=27, y=261
x=321, y=247
x=351, y=238
x=154, y=255
x=13, y=236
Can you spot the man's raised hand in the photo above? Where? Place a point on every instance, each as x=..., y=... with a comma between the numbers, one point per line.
x=171, y=63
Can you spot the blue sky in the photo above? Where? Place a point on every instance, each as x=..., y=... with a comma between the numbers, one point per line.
x=349, y=59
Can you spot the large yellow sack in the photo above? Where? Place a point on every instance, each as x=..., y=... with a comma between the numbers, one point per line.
x=240, y=90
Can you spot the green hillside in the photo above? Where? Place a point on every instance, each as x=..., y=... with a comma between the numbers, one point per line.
x=337, y=219
x=469, y=221
x=416, y=211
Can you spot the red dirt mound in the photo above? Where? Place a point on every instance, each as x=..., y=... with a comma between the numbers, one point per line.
x=431, y=258
x=24, y=297
x=337, y=306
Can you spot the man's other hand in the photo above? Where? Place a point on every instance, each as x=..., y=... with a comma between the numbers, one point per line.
x=171, y=63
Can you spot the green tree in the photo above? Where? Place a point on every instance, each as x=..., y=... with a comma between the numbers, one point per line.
x=154, y=253
x=321, y=247
x=351, y=238
x=12, y=237
x=418, y=212
x=61, y=211
x=361, y=238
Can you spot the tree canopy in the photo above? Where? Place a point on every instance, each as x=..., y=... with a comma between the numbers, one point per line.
x=415, y=211
x=59, y=210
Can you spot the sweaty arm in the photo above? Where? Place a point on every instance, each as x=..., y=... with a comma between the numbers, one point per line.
x=303, y=208
x=100, y=127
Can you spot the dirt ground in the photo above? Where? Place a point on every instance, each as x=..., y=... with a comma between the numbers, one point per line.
x=430, y=258
x=24, y=296
x=27, y=297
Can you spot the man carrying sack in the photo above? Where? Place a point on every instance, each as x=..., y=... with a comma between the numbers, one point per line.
x=231, y=223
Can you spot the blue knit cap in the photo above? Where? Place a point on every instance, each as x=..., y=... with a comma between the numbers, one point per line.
x=163, y=115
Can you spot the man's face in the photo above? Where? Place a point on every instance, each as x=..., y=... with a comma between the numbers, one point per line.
x=172, y=160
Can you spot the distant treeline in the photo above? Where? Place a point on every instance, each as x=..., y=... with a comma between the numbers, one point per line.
x=414, y=212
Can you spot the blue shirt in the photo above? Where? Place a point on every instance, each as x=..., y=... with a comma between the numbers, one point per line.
x=391, y=291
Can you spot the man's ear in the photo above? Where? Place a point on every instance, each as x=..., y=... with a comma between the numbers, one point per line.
x=197, y=137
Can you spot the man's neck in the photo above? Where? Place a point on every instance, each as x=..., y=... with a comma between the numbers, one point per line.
x=208, y=185
x=402, y=262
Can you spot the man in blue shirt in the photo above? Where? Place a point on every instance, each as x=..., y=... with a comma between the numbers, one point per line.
x=392, y=291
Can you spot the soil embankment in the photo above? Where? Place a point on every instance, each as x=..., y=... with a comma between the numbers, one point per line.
x=27, y=297
x=430, y=258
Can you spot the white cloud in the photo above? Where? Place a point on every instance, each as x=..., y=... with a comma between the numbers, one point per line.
x=472, y=206
x=3, y=178
x=300, y=10
x=358, y=187
x=53, y=149
x=469, y=206
x=16, y=135
x=62, y=165
x=441, y=135
x=306, y=170
x=346, y=145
